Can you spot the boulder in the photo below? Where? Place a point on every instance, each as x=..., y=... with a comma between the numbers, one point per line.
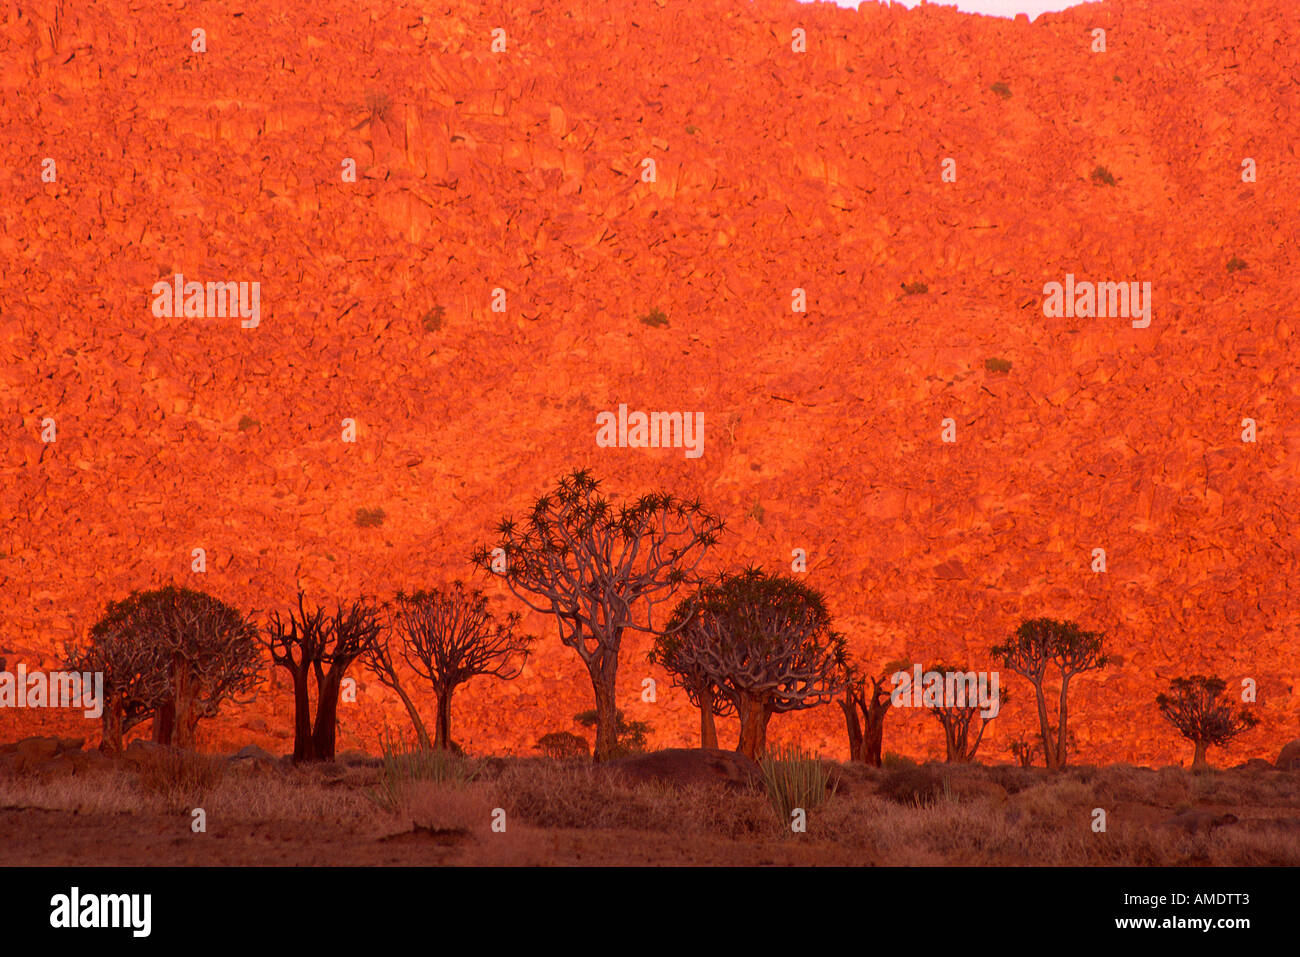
x=687, y=766
x=252, y=752
x=141, y=751
x=84, y=761
x=1255, y=764
x=1289, y=759
x=255, y=758
x=31, y=754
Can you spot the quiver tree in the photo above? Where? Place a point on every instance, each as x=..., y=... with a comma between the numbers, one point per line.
x=313, y=643
x=601, y=570
x=135, y=681
x=865, y=702
x=1038, y=643
x=1197, y=708
x=449, y=636
x=173, y=654
x=672, y=651
x=960, y=711
x=766, y=644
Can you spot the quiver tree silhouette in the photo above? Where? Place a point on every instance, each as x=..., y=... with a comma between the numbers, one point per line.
x=959, y=712
x=313, y=643
x=865, y=702
x=171, y=654
x=672, y=650
x=1197, y=708
x=1038, y=643
x=600, y=570
x=448, y=636
x=766, y=644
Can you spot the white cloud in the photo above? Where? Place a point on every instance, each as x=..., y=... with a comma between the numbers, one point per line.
x=997, y=8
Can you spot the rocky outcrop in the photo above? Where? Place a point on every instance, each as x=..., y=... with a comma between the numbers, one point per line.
x=132, y=437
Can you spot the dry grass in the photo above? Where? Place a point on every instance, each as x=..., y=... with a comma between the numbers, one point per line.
x=560, y=812
x=181, y=780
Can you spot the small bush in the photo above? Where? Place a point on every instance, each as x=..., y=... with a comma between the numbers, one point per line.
x=1023, y=749
x=183, y=779
x=1235, y=264
x=405, y=763
x=432, y=320
x=655, y=318
x=914, y=787
x=370, y=517
x=915, y=288
x=631, y=735
x=892, y=761
x=692, y=129
x=1001, y=89
x=795, y=779
x=247, y=422
x=997, y=366
x=1102, y=176
x=562, y=745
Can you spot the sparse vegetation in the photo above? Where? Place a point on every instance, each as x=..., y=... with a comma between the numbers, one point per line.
x=181, y=779
x=312, y=642
x=370, y=517
x=914, y=787
x=448, y=636
x=795, y=779
x=406, y=763
x=1196, y=707
x=601, y=569
x=763, y=641
x=563, y=746
x=173, y=655
x=1038, y=643
x=1103, y=177
x=432, y=320
x=631, y=734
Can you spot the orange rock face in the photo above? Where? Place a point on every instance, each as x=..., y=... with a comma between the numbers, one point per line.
x=516, y=178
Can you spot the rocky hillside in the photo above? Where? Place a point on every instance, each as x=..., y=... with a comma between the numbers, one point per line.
x=517, y=177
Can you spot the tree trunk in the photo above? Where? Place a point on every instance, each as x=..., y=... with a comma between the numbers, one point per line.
x=854, y=726
x=873, y=731
x=164, y=724
x=1044, y=728
x=421, y=732
x=185, y=712
x=708, y=730
x=111, y=739
x=327, y=711
x=1198, y=760
x=302, y=738
x=1062, y=748
x=442, y=739
x=753, y=726
x=602, y=683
